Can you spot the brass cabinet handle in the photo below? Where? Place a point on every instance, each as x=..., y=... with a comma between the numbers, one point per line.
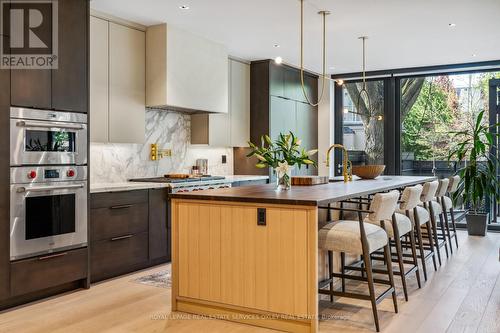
x=121, y=237
x=120, y=207
x=53, y=256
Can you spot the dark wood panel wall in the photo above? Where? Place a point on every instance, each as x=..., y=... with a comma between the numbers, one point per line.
x=65, y=88
x=4, y=184
x=278, y=105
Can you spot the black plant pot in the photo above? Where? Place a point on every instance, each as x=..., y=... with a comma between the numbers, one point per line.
x=477, y=223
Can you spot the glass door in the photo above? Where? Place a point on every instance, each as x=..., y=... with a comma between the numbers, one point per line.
x=360, y=119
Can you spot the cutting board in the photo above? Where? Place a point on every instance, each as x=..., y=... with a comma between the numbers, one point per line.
x=309, y=180
x=177, y=175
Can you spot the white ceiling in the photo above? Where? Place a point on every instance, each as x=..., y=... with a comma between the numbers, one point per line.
x=402, y=33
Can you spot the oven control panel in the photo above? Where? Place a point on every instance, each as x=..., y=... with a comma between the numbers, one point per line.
x=21, y=175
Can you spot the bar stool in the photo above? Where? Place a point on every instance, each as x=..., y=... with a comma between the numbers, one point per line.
x=397, y=227
x=447, y=205
x=419, y=216
x=434, y=209
x=443, y=219
x=360, y=238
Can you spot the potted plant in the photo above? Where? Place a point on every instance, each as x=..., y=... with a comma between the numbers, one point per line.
x=282, y=156
x=478, y=177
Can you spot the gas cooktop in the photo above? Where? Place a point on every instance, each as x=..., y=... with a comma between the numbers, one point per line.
x=177, y=180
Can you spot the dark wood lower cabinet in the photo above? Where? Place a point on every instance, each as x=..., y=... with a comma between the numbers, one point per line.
x=48, y=271
x=158, y=224
x=128, y=231
x=119, y=220
x=118, y=255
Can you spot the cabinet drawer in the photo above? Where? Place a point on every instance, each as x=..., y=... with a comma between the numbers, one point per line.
x=101, y=200
x=48, y=271
x=119, y=220
x=122, y=255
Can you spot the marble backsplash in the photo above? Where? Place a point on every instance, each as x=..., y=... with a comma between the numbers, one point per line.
x=111, y=163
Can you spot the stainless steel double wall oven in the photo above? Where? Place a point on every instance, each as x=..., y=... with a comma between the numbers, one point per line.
x=48, y=181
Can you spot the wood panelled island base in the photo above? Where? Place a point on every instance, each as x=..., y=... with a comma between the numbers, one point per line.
x=250, y=254
x=230, y=267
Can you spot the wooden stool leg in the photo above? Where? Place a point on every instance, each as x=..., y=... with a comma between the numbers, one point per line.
x=401, y=264
x=342, y=268
x=431, y=243
x=421, y=248
x=447, y=226
x=452, y=214
x=330, y=272
x=435, y=235
x=415, y=260
x=443, y=232
x=371, y=288
x=390, y=274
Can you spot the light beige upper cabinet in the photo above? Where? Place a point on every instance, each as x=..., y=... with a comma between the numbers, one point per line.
x=185, y=72
x=239, y=103
x=99, y=80
x=117, y=82
x=127, y=84
x=231, y=129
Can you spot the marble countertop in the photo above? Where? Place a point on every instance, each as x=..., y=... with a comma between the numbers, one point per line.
x=130, y=186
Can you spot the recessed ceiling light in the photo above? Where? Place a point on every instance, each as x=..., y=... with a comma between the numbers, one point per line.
x=474, y=55
x=332, y=68
x=278, y=60
x=452, y=25
x=276, y=45
x=185, y=7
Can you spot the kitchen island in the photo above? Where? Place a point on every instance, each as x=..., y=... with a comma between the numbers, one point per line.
x=250, y=254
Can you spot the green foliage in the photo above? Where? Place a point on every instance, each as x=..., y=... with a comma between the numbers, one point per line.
x=431, y=114
x=285, y=149
x=478, y=177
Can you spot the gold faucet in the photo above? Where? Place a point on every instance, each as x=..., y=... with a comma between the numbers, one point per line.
x=346, y=164
x=157, y=153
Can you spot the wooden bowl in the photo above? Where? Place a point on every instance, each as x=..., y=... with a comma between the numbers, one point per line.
x=368, y=171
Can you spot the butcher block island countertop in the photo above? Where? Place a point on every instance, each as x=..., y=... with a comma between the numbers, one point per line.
x=250, y=254
x=306, y=195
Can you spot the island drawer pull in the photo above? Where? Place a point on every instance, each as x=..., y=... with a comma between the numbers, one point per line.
x=121, y=237
x=121, y=207
x=53, y=256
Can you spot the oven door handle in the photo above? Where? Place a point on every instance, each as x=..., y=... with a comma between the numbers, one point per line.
x=24, y=123
x=49, y=188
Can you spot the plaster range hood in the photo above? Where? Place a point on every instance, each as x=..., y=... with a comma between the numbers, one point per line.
x=185, y=72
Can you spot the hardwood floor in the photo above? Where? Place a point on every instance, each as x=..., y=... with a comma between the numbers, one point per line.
x=462, y=296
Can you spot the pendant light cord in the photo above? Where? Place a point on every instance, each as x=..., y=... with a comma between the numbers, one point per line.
x=324, y=13
x=363, y=90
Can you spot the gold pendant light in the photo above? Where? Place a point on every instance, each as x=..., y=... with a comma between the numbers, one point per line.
x=324, y=13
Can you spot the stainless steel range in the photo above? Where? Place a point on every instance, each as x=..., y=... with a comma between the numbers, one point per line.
x=48, y=182
x=189, y=184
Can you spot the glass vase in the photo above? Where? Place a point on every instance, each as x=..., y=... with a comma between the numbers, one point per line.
x=283, y=180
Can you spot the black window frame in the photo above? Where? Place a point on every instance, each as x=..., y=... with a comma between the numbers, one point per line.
x=392, y=105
